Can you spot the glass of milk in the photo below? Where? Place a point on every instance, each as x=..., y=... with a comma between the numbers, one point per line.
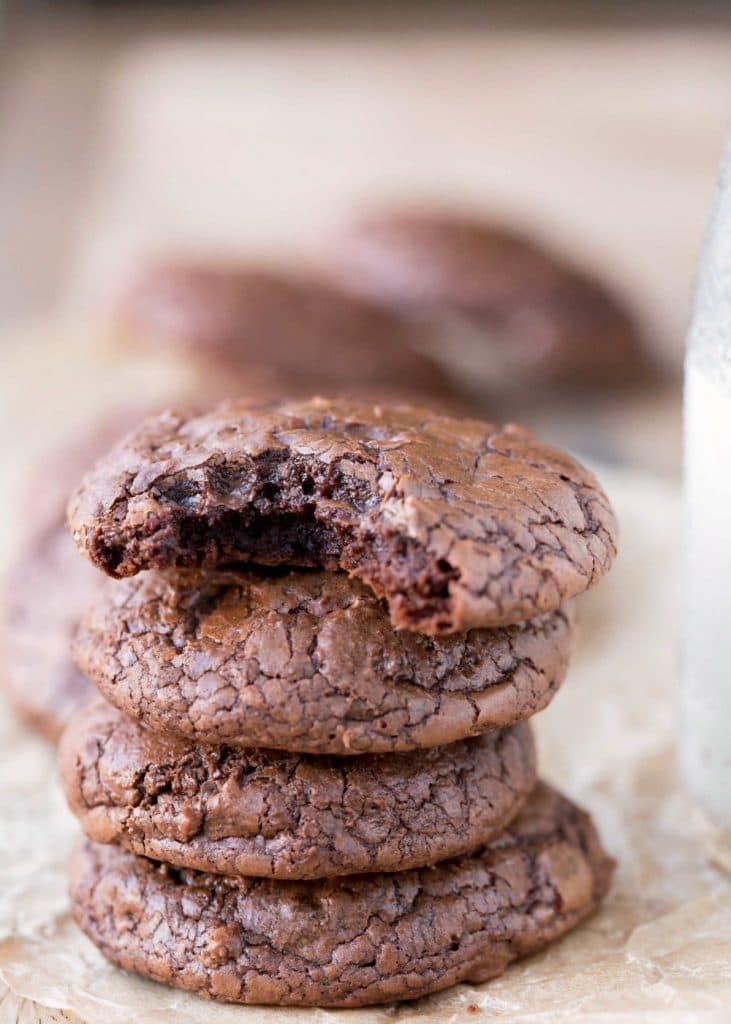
x=705, y=726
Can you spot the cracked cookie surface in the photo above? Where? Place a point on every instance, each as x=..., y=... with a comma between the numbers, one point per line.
x=458, y=524
x=271, y=814
x=351, y=941
x=307, y=662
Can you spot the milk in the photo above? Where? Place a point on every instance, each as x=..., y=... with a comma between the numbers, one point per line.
x=705, y=706
x=705, y=710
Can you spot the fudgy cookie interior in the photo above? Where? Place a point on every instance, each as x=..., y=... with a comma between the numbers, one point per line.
x=299, y=512
x=459, y=524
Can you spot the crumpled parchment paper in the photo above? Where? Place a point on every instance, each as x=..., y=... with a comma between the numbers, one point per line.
x=660, y=947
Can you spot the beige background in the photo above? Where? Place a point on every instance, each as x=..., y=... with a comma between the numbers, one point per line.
x=604, y=140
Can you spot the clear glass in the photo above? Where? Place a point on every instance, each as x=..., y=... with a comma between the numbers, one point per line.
x=705, y=712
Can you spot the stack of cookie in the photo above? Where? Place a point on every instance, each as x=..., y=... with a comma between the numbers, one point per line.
x=311, y=780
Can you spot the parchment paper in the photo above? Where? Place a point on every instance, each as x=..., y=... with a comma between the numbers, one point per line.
x=659, y=949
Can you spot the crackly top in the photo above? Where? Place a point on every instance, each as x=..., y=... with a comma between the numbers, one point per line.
x=555, y=315
x=456, y=523
x=307, y=661
x=302, y=331
x=349, y=941
x=260, y=812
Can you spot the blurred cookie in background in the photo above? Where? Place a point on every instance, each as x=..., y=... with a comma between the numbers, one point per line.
x=47, y=591
x=49, y=587
x=254, y=330
x=504, y=310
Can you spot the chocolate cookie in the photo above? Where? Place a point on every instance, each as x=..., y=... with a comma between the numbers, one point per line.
x=258, y=812
x=504, y=305
x=305, y=334
x=350, y=941
x=48, y=588
x=457, y=523
x=308, y=662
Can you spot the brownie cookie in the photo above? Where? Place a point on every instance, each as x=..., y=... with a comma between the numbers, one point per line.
x=351, y=941
x=49, y=586
x=504, y=305
x=45, y=595
x=457, y=523
x=261, y=812
x=303, y=334
x=307, y=662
